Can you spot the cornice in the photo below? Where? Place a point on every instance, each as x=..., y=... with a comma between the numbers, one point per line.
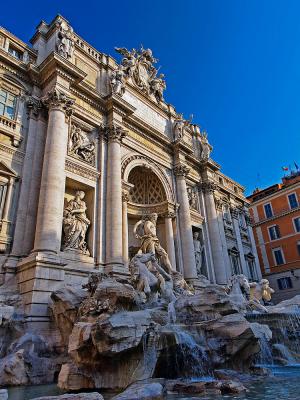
x=86, y=172
x=54, y=64
x=119, y=105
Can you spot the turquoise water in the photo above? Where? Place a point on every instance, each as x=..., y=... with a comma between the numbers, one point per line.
x=284, y=384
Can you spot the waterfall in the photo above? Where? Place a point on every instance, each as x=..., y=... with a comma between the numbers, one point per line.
x=284, y=347
x=171, y=312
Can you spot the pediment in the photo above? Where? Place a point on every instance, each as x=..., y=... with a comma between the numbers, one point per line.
x=6, y=170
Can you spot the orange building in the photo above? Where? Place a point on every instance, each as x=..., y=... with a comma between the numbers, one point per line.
x=275, y=213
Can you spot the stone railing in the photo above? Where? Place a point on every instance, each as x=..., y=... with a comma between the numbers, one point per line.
x=11, y=128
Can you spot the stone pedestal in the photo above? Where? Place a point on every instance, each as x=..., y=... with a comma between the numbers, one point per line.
x=185, y=225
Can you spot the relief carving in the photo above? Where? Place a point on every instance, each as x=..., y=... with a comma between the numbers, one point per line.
x=82, y=145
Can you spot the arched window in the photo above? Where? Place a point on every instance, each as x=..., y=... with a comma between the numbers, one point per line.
x=147, y=187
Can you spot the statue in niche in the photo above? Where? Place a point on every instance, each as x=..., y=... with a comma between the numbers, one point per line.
x=157, y=86
x=199, y=252
x=117, y=81
x=179, y=125
x=65, y=46
x=206, y=147
x=75, y=224
x=150, y=242
x=81, y=145
x=192, y=196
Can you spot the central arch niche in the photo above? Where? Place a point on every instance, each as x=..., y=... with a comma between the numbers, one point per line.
x=146, y=196
x=148, y=189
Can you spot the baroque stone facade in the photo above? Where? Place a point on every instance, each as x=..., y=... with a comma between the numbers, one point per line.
x=89, y=147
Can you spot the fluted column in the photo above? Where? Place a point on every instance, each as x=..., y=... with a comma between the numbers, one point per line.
x=114, y=245
x=125, y=199
x=8, y=198
x=185, y=225
x=170, y=238
x=51, y=198
x=217, y=247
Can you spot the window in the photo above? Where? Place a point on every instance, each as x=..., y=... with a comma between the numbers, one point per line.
x=274, y=232
x=284, y=283
x=278, y=256
x=252, y=269
x=15, y=53
x=293, y=200
x=297, y=224
x=268, y=210
x=235, y=261
x=3, y=189
x=7, y=104
x=298, y=247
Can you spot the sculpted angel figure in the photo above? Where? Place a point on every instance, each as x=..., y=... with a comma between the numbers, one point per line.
x=75, y=224
x=128, y=61
x=150, y=242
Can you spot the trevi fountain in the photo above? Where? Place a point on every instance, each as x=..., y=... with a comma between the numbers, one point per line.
x=128, y=268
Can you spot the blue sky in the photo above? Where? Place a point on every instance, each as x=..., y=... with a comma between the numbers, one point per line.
x=233, y=64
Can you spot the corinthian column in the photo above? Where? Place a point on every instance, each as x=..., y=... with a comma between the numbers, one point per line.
x=114, y=245
x=185, y=225
x=170, y=238
x=217, y=246
x=51, y=199
x=125, y=199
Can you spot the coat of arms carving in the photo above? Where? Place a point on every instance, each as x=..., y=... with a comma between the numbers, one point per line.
x=137, y=66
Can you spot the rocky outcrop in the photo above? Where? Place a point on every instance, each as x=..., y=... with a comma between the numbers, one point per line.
x=75, y=396
x=143, y=391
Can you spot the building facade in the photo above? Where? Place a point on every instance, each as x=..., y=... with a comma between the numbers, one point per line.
x=276, y=224
x=89, y=148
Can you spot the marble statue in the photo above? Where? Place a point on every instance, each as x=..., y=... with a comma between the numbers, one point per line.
x=138, y=67
x=238, y=286
x=81, y=145
x=75, y=224
x=206, y=147
x=65, y=45
x=179, y=125
x=198, y=249
x=261, y=291
x=117, y=80
x=150, y=242
x=157, y=86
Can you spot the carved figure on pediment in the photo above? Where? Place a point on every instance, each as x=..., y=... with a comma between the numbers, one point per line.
x=82, y=145
x=65, y=45
x=157, y=86
x=179, y=125
x=199, y=252
x=75, y=224
x=117, y=81
x=206, y=147
x=138, y=66
x=150, y=242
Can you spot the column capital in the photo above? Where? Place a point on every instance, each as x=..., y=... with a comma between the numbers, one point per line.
x=34, y=106
x=169, y=214
x=58, y=100
x=114, y=133
x=207, y=186
x=181, y=170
